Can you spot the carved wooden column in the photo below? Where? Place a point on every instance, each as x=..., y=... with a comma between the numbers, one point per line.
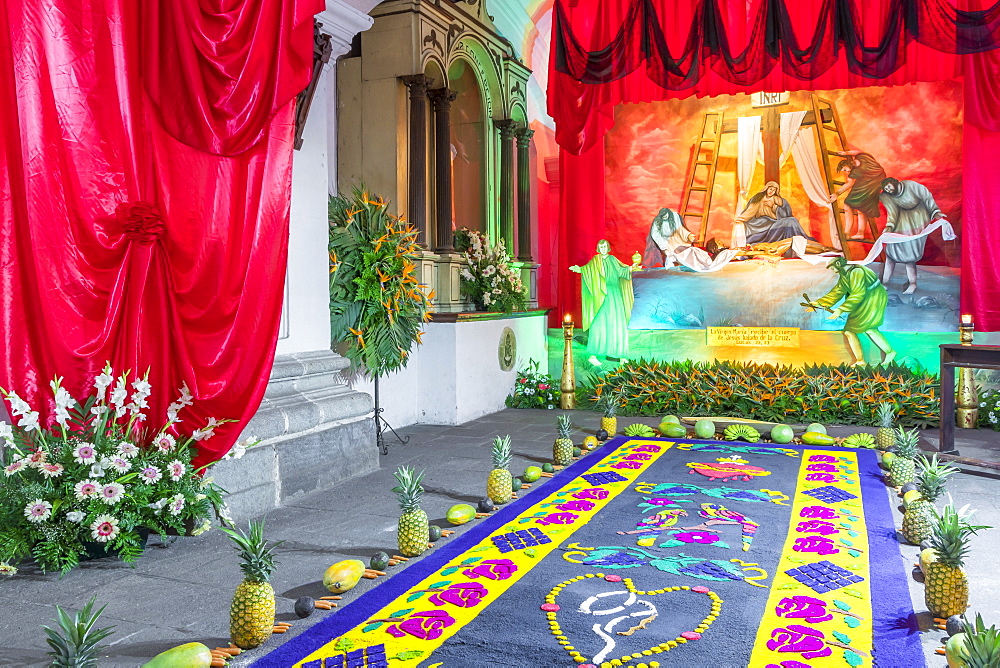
x=442, y=98
x=523, y=195
x=417, y=172
x=507, y=128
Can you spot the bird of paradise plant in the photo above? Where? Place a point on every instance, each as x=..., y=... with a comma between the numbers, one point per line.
x=377, y=304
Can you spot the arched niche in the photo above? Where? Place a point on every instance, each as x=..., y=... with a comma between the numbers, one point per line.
x=468, y=147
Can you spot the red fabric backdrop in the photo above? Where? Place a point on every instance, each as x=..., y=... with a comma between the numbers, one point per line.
x=190, y=286
x=584, y=111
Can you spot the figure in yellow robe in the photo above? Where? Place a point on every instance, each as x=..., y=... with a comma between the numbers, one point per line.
x=607, y=302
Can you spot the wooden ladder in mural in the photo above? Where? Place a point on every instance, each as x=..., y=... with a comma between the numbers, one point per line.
x=830, y=135
x=701, y=176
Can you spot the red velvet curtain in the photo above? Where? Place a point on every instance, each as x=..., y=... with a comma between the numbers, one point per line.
x=148, y=229
x=606, y=52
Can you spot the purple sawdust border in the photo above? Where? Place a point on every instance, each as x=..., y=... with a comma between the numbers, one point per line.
x=375, y=599
x=895, y=625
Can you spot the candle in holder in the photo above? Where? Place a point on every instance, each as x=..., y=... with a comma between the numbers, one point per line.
x=966, y=329
x=567, y=385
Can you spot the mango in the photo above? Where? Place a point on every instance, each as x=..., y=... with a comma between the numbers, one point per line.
x=460, y=513
x=817, y=438
x=188, y=655
x=343, y=575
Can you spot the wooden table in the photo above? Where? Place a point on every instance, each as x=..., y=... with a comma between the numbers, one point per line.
x=954, y=355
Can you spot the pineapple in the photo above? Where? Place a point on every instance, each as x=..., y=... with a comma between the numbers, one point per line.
x=499, y=484
x=982, y=645
x=76, y=643
x=609, y=422
x=413, y=530
x=903, y=468
x=562, y=449
x=919, y=516
x=885, y=438
x=946, y=589
x=251, y=616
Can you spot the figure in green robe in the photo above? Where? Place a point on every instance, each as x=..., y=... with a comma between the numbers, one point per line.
x=607, y=302
x=865, y=299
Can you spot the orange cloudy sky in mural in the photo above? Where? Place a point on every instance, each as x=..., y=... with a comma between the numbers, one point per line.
x=914, y=131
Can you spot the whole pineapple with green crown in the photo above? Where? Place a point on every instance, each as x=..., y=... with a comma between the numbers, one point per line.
x=903, y=469
x=946, y=589
x=413, y=529
x=919, y=518
x=75, y=642
x=885, y=437
x=251, y=615
x=609, y=422
x=499, y=484
x=562, y=449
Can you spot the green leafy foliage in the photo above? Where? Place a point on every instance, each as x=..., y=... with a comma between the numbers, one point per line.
x=989, y=410
x=533, y=389
x=377, y=304
x=815, y=393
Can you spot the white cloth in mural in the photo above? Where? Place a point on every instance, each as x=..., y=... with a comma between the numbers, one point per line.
x=947, y=233
x=801, y=143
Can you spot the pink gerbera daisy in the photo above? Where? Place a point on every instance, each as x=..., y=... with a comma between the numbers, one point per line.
x=38, y=510
x=112, y=493
x=164, y=442
x=51, y=470
x=14, y=467
x=176, y=469
x=85, y=453
x=104, y=528
x=121, y=464
x=85, y=489
x=128, y=450
x=176, y=504
x=150, y=474
x=37, y=458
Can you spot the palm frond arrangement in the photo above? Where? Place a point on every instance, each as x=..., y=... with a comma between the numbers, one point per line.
x=815, y=393
x=377, y=303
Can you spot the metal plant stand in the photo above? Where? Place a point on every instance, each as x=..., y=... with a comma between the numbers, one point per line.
x=381, y=425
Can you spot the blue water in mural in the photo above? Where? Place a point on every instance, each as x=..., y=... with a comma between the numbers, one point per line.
x=758, y=294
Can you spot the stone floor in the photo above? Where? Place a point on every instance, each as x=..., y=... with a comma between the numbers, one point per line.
x=180, y=592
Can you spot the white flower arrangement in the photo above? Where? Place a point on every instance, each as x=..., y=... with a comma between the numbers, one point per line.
x=96, y=475
x=487, y=278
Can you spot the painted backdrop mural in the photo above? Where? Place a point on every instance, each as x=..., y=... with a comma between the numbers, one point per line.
x=762, y=256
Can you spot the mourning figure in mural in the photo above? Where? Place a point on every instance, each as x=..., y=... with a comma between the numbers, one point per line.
x=607, y=300
x=666, y=234
x=863, y=177
x=909, y=208
x=865, y=299
x=768, y=218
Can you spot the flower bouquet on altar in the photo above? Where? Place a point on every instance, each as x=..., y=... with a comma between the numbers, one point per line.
x=487, y=278
x=96, y=476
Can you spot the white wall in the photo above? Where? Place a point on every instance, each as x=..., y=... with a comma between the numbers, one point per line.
x=455, y=376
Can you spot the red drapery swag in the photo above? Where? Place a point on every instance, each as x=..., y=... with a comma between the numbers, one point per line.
x=145, y=178
x=608, y=52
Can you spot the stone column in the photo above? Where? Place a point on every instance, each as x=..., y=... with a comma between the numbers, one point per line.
x=417, y=172
x=507, y=128
x=523, y=195
x=442, y=98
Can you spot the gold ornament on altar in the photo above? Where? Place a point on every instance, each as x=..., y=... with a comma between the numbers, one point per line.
x=567, y=386
x=967, y=401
